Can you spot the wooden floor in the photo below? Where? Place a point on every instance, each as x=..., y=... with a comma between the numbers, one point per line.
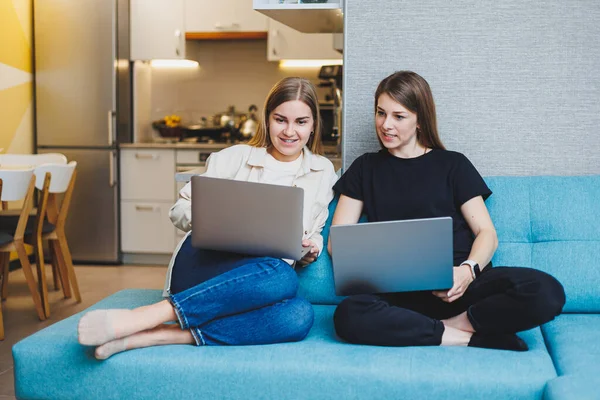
x=95, y=283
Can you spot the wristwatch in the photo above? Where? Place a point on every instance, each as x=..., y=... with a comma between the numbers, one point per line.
x=475, y=270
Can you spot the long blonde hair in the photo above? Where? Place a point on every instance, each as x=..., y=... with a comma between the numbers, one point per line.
x=289, y=89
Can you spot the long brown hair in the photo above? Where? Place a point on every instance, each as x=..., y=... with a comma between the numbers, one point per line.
x=413, y=92
x=289, y=89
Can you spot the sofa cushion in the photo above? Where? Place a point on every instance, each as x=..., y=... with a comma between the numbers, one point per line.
x=565, y=208
x=509, y=207
x=572, y=341
x=315, y=281
x=50, y=364
x=576, y=264
x=573, y=387
x=565, y=220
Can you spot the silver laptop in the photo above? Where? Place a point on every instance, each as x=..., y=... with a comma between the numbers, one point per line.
x=247, y=218
x=394, y=256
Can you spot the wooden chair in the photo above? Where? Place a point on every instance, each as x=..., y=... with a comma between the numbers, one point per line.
x=19, y=161
x=53, y=180
x=18, y=185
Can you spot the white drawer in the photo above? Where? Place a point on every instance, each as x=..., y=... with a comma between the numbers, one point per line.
x=146, y=227
x=192, y=157
x=147, y=174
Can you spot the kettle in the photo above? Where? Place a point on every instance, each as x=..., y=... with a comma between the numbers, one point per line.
x=249, y=125
x=228, y=119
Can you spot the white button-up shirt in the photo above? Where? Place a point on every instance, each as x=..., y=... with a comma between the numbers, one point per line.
x=246, y=163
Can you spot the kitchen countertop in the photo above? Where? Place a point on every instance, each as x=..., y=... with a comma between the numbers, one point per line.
x=176, y=145
x=330, y=150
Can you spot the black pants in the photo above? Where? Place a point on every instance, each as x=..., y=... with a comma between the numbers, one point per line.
x=500, y=300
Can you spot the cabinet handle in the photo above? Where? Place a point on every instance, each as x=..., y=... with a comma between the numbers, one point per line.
x=144, y=208
x=111, y=169
x=234, y=25
x=111, y=137
x=275, y=36
x=178, y=39
x=146, y=156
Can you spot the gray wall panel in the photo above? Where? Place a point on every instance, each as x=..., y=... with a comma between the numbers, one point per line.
x=516, y=84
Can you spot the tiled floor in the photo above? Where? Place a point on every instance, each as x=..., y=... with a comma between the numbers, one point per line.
x=95, y=283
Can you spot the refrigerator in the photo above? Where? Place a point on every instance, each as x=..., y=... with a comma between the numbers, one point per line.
x=83, y=107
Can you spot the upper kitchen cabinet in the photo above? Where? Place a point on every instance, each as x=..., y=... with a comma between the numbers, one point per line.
x=157, y=29
x=223, y=19
x=285, y=43
x=312, y=16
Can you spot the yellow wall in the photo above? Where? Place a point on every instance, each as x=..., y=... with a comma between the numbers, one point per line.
x=16, y=113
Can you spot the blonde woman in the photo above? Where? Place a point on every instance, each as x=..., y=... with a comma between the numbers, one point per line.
x=220, y=298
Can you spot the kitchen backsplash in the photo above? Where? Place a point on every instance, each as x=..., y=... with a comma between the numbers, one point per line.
x=229, y=73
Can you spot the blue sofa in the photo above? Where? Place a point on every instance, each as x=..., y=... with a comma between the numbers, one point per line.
x=549, y=223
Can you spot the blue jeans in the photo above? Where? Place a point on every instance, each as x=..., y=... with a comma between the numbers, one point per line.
x=237, y=300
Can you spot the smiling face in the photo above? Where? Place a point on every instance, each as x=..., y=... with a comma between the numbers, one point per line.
x=396, y=126
x=290, y=126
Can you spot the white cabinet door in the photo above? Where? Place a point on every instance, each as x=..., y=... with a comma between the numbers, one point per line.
x=157, y=29
x=223, y=16
x=148, y=174
x=250, y=20
x=146, y=227
x=287, y=43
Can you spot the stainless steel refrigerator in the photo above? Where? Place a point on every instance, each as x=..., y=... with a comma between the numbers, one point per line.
x=83, y=110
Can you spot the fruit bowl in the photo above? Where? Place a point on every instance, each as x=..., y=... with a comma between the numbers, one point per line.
x=167, y=131
x=168, y=127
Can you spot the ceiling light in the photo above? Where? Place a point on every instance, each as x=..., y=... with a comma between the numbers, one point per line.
x=308, y=63
x=174, y=63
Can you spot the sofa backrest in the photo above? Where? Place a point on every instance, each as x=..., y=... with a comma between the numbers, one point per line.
x=548, y=223
x=552, y=224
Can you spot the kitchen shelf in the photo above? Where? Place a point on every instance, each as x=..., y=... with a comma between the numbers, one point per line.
x=226, y=35
x=306, y=18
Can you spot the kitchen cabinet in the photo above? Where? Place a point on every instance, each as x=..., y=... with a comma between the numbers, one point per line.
x=146, y=227
x=223, y=16
x=157, y=29
x=147, y=194
x=147, y=174
x=285, y=43
x=323, y=17
x=149, y=190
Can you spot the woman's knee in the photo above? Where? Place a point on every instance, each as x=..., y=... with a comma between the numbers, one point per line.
x=545, y=294
x=298, y=317
x=552, y=294
x=278, y=280
x=349, y=316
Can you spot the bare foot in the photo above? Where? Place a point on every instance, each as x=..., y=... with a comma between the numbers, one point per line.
x=159, y=336
x=455, y=337
x=101, y=326
x=460, y=321
x=110, y=348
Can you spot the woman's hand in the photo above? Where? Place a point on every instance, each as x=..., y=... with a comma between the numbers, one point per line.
x=462, y=279
x=311, y=255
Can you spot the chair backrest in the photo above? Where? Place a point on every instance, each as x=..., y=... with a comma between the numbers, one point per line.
x=18, y=184
x=32, y=159
x=15, y=183
x=60, y=176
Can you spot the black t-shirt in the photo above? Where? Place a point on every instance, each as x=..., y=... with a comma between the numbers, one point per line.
x=435, y=184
